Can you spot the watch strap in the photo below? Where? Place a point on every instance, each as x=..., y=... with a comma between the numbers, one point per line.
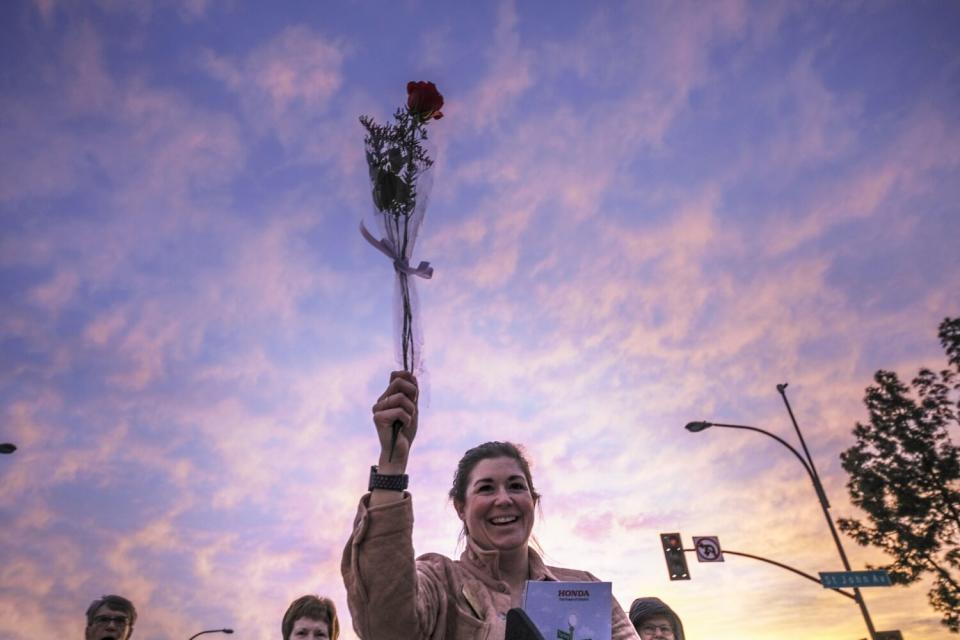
x=388, y=482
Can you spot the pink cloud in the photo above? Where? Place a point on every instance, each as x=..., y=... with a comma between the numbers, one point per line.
x=89, y=88
x=818, y=125
x=509, y=75
x=143, y=10
x=872, y=187
x=285, y=82
x=105, y=327
x=46, y=9
x=594, y=527
x=56, y=292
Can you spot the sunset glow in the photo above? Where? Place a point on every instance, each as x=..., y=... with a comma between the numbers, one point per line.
x=643, y=214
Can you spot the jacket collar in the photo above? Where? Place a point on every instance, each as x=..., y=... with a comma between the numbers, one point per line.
x=486, y=562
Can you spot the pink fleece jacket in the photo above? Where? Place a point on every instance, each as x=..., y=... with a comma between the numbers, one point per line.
x=392, y=596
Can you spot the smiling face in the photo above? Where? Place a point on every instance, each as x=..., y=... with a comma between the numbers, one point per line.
x=310, y=629
x=498, y=510
x=109, y=624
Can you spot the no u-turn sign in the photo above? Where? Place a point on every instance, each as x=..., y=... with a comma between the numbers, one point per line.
x=708, y=548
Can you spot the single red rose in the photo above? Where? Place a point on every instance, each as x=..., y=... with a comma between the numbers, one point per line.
x=424, y=100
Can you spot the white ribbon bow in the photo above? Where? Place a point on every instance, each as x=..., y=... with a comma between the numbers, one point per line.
x=384, y=246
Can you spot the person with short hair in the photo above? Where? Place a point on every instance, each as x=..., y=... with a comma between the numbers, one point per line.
x=311, y=618
x=110, y=617
x=652, y=618
x=394, y=595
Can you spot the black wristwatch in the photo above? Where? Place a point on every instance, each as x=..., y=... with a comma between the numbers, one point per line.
x=390, y=483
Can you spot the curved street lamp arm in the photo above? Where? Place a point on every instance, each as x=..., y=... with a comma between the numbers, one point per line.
x=813, y=478
x=211, y=631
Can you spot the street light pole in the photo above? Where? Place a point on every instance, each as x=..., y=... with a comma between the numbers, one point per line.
x=782, y=389
x=811, y=470
x=211, y=631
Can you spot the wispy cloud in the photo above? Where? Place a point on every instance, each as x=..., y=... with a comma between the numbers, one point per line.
x=643, y=215
x=285, y=83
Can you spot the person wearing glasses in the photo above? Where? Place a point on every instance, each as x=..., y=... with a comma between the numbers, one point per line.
x=652, y=618
x=110, y=618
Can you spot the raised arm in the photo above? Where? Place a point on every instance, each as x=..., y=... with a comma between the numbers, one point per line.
x=397, y=403
x=387, y=595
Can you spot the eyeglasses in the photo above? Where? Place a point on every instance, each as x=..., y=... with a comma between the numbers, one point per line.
x=649, y=630
x=120, y=621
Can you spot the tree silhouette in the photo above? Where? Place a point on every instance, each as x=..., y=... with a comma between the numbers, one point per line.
x=905, y=474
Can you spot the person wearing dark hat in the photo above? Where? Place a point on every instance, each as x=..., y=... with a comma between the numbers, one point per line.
x=652, y=618
x=110, y=618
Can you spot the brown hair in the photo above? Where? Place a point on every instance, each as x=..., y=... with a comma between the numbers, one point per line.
x=314, y=608
x=485, y=451
x=117, y=603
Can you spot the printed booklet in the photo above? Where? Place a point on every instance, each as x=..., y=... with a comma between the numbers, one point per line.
x=569, y=610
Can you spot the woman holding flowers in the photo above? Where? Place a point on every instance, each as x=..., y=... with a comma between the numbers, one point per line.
x=392, y=594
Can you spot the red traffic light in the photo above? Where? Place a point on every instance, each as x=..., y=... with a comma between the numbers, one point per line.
x=673, y=554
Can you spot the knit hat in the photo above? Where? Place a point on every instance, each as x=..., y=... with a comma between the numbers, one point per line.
x=644, y=608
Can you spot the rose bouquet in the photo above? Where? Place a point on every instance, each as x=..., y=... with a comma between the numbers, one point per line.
x=400, y=177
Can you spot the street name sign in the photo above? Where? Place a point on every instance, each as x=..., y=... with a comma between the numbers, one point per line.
x=840, y=579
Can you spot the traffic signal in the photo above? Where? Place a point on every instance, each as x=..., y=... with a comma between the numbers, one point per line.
x=673, y=553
